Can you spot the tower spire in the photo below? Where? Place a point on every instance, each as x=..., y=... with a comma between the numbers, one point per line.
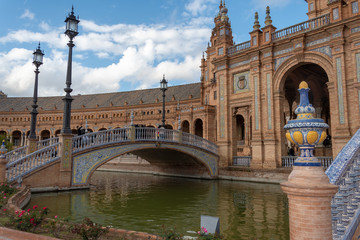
x=221, y=5
x=256, y=22
x=268, y=20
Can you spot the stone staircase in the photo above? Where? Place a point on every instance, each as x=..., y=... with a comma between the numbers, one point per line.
x=345, y=205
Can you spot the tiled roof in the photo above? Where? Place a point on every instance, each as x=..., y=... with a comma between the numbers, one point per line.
x=116, y=99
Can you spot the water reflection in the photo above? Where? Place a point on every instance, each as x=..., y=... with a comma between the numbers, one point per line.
x=146, y=202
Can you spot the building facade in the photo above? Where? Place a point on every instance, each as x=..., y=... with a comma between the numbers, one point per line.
x=253, y=85
x=246, y=94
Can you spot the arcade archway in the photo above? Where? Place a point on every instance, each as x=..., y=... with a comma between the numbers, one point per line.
x=317, y=79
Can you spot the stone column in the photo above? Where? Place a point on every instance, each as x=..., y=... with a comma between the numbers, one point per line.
x=3, y=162
x=66, y=159
x=308, y=188
x=309, y=194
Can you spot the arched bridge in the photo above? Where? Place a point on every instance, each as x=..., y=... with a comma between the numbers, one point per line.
x=79, y=156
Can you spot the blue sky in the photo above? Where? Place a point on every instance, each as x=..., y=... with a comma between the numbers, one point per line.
x=122, y=44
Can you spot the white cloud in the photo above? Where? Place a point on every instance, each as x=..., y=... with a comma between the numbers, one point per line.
x=197, y=7
x=127, y=54
x=27, y=14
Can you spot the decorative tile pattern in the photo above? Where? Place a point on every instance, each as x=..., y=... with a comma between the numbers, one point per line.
x=67, y=153
x=283, y=51
x=222, y=107
x=268, y=86
x=268, y=54
x=335, y=35
x=239, y=63
x=326, y=50
x=355, y=29
x=316, y=42
x=357, y=59
x=241, y=82
x=340, y=90
x=279, y=61
x=85, y=164
x=256, y=103
x=221, y=67
x=344, y=172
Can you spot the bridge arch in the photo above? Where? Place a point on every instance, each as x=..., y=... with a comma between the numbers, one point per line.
x=159, y=154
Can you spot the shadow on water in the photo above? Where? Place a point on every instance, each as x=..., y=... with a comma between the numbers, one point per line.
x=146, y=202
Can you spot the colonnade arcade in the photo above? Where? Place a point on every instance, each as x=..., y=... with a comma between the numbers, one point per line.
x=19, y=137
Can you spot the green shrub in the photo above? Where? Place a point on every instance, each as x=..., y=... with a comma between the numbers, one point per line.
x=89, y=230
x=28, y=220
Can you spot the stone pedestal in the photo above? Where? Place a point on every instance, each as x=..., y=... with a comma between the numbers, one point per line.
x=65, y=160
x=309, y=193
x=257, y=154
x=32, y=145
x=3, y=163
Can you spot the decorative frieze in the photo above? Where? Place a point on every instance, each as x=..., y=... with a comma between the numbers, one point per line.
x=279, y=61
x=355, y=29
x=283, y=51
x=239, y=63
x=319, y=41
x=268, y=54
x=335, y=35
x=326, y=50
x=221, y=67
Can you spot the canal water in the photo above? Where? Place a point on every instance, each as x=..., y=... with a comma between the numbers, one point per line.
x=147, y=203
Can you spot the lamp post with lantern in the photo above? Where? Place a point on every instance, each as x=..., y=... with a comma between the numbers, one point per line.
x=163, y=88
x=37, y=61
x=71, y=31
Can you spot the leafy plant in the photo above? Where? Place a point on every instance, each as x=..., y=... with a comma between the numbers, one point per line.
x=6, y=191
x=57, y=225
x=170, y=233
x=8, y=144
x=89, y=230
x=28, y=220
x=204, y=235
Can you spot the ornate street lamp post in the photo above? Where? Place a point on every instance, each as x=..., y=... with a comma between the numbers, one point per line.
x=71, y=32
x=163, y=88
x=37, y=61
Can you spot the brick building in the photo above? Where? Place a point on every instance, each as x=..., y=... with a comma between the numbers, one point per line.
x=247, y=91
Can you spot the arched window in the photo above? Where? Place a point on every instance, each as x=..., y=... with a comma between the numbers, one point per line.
x=185, y=126
x=199, y=127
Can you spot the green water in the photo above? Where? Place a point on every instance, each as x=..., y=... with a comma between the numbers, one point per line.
x=146, y=203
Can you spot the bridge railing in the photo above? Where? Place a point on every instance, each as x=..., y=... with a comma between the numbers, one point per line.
x=47, y=142
x=100, y=138
x=288, y=161
x=22, y=166
x=140, y=134
x=345, y=172
x=197, y=141
x=16, y=154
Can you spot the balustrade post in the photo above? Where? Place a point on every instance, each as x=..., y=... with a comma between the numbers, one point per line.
x=179, y=136
x=132, y=131
x=308, y=188
x=65, y=153
x=3, y=162
x=32, y=145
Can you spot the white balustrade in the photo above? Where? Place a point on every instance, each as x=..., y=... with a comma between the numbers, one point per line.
x=22, y=166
